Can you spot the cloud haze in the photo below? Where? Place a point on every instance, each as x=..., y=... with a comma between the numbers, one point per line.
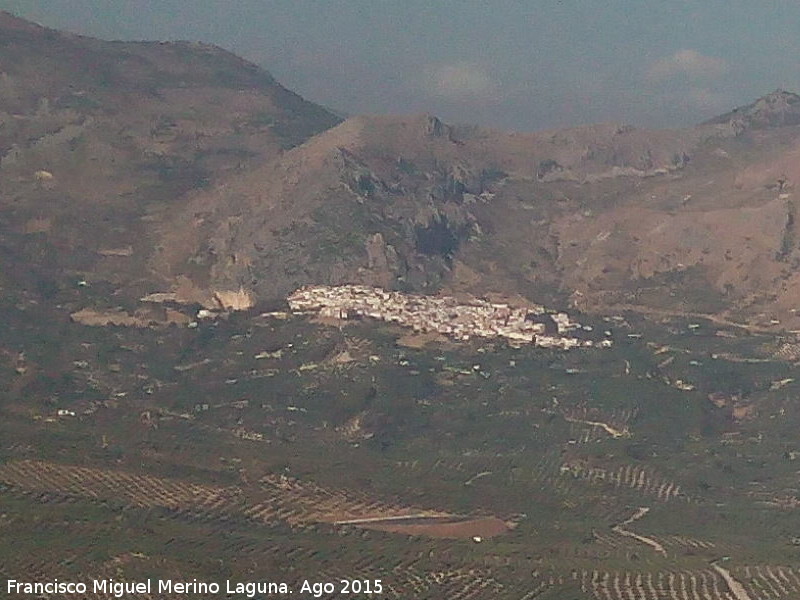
x=687, y=63
x=459, y=81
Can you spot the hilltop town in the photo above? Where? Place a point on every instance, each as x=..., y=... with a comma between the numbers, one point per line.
x=445, y=315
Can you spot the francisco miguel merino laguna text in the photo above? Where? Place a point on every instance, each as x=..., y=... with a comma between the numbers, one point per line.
x=118, y=589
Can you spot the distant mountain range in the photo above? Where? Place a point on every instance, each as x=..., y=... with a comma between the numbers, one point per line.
x=144, y=167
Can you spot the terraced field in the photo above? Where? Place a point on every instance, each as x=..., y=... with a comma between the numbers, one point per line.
x=262, y=449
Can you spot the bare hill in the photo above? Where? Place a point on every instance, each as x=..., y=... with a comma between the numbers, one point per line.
x=96, y=136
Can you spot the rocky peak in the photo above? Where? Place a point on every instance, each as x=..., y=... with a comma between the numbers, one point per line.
x=9, y=22
x=434, y=127
x=777, y=109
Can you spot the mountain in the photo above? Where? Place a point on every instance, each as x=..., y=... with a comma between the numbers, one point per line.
x=96, y=137
x=773, y=110
x=178, y=167
x=695, y=221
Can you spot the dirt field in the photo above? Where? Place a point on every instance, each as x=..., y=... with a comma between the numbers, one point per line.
x=440, y=528
x=420, y=340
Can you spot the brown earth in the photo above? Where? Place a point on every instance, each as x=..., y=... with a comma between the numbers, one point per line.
x=465, y=529
x=420, y=340
x=94, y=318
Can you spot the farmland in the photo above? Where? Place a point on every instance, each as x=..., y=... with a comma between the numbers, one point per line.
x=260, y=448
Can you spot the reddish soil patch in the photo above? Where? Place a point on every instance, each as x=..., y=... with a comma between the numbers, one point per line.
x=420, y=340
x=484, y=527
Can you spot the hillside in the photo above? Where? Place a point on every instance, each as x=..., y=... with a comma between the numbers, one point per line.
x=600, y=215
x=96, y=137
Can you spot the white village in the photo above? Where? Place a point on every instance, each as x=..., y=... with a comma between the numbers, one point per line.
x=445, y=315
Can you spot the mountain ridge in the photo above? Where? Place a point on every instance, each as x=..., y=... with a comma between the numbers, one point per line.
x=218, y=178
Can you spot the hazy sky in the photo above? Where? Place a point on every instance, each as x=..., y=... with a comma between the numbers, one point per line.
x=520, y=65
